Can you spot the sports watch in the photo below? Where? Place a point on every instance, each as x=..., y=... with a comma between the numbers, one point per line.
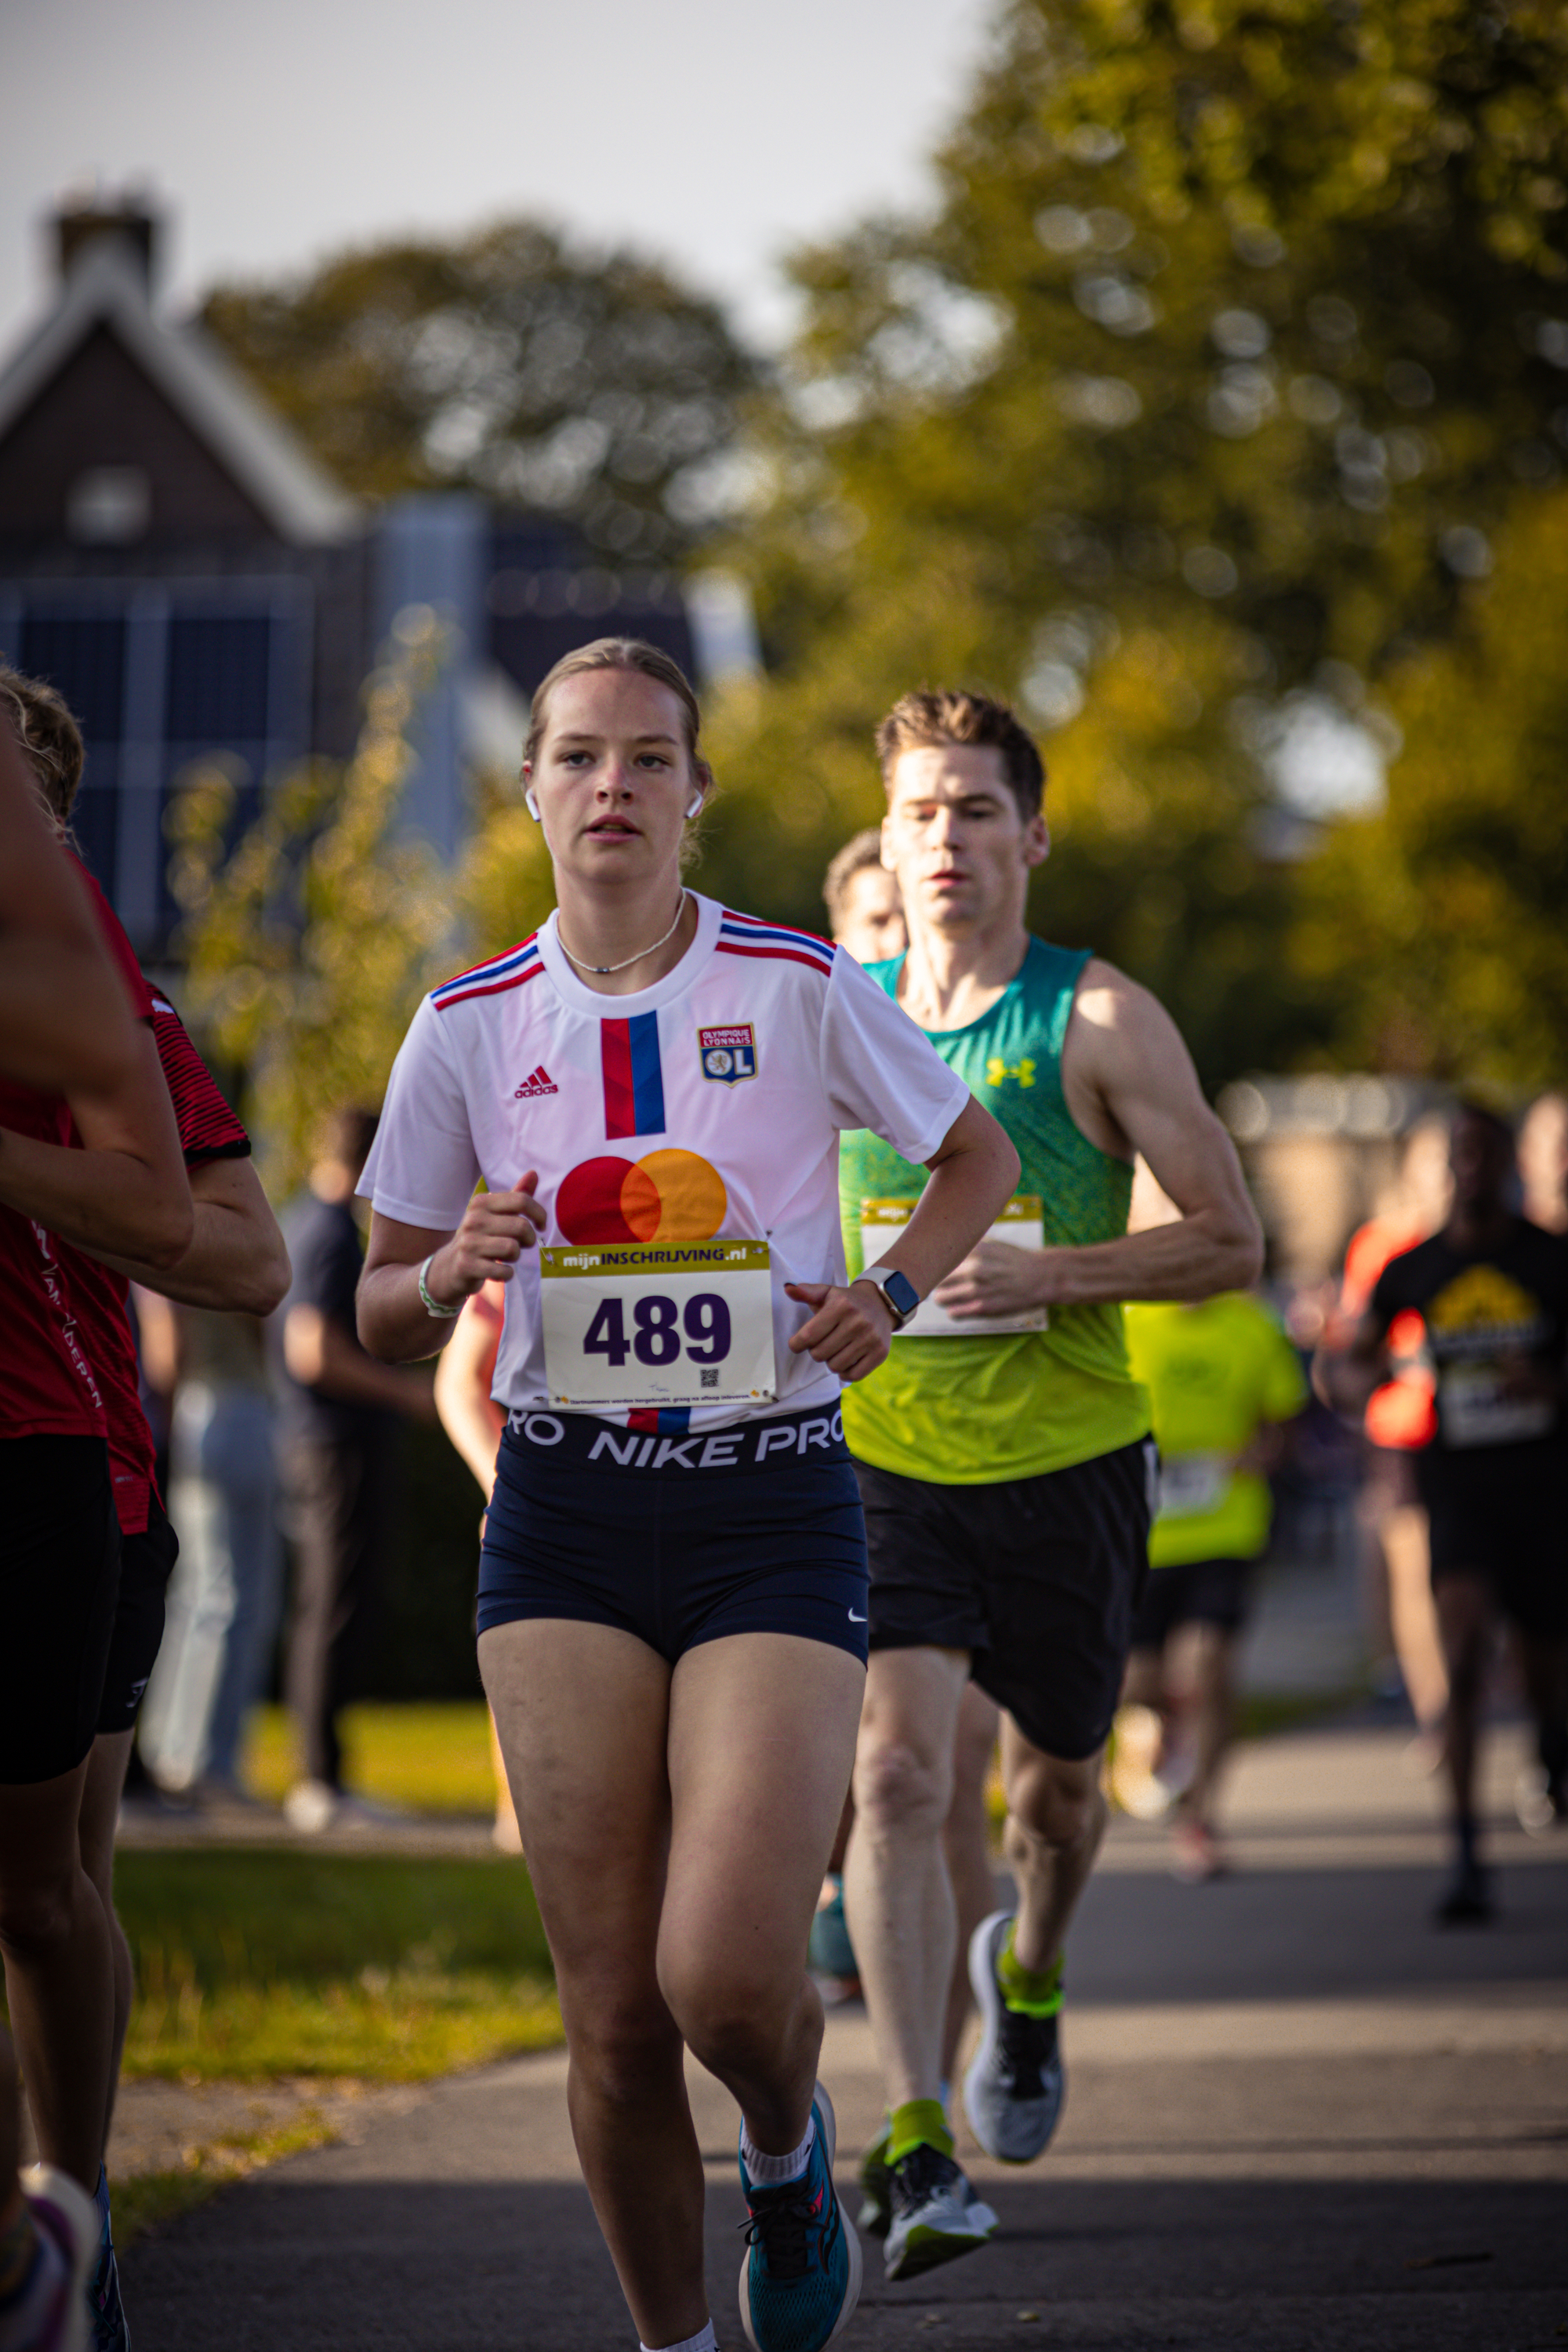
x=902, y=1298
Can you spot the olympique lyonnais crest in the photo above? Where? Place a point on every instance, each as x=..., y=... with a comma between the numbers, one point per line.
x=728, y=1054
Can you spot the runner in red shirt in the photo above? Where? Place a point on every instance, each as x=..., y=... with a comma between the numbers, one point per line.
x=235, y=1259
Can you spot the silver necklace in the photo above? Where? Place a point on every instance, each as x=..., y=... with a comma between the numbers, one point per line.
x=603, y=970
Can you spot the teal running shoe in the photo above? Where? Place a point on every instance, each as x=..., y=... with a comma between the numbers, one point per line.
x=829, y=1952
x=110, y=2332
x=800, y=2281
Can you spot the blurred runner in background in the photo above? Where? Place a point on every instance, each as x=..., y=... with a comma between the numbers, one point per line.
x=1401, y=1418
x=235, y=1259
x=865, y=913
x=1492, y=1292
x=339, y=1409
x=64, y=1024
x=464, y=1376
x=1222, y=1378
x=1543, y=1162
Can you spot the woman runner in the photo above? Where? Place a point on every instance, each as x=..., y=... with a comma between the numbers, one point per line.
x=672, y=1585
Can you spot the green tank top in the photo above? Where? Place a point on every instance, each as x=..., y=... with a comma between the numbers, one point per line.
x=973, y=1411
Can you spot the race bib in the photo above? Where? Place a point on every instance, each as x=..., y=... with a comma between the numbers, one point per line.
x=1020, y=1223
x=1192, y=1484
x=626, y=1324
x=1477, y=1411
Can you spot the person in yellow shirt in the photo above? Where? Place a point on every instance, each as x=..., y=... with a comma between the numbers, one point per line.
x=1222, y=1376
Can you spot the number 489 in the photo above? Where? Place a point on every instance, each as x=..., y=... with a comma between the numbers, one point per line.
x=656, y=1330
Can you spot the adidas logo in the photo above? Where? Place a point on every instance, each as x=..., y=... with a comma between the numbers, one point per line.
x=539, y=1083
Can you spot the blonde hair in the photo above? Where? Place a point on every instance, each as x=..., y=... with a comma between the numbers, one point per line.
x=615, y=653
x=48, y=740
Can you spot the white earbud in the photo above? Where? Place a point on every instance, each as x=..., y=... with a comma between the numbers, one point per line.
x=695, y=806
x=532, y=805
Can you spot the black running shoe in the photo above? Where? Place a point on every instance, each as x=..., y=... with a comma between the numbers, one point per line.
x=1468, y=1902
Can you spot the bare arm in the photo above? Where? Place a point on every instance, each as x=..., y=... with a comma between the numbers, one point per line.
x=971, y=1177
x=125, y=1190
x=236, y=1259
x=1345, y=1378
x=1130, y=1086
x=64, y=1020
x=469, y=1416
x=496, y=1228
x=320, y=1354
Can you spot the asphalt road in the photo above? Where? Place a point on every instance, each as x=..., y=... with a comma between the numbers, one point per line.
x=1299, y=2115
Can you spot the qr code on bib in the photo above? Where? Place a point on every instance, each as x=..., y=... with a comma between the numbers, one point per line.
x=711, y=1378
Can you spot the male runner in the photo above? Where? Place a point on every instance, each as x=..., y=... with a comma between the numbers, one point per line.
x=1006, y=1477
x=1492, y=1291
x=1222, y=1377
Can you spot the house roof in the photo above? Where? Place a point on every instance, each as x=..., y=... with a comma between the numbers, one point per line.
x=107, y=287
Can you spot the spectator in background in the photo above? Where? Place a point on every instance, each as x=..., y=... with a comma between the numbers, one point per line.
x=224, y=1597
x=1543, y=1162
x=464, y=1373
x=1401, y=1419
x=862, y=900
x=338, y=1409
x=1222, y=1377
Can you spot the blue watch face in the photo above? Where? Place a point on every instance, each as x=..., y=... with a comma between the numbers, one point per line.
x=901, y=1293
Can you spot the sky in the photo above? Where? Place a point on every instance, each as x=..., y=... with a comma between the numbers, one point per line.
x=713, y=133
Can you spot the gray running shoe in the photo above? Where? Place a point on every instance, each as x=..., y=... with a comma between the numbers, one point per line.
x=936, y=2214
x=1013, y=2090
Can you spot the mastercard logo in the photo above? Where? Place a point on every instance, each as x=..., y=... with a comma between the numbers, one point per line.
x=670, y=1196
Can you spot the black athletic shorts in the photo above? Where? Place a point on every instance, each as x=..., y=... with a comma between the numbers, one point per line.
x=1195, y=1592
x=1038, y=1578
x=59, y=1580
x=751, y=1529
x=1504, y=1520
x=146, y=1564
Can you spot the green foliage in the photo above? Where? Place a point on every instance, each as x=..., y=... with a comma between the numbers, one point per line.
x=251, y=1964
x=1454, y=895
x=1231, y=341
x=512, y=364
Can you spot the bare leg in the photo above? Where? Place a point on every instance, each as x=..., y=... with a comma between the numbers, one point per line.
x=1415, y=1618
x=677, y=1865
x=100, y=1811
x=1199, y=1678
x=966, y=1844
x=58, y=1970
x=1544, y=1669
x=1055, y=1819
x=1465, y=1621
x=748, y=1847
x=898, y=1895
x=505, y=1835
x=10, y=2136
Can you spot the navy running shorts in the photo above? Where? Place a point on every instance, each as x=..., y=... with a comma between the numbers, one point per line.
x=1038, y=1578
x=146, y=1564
x=756, y=1528
x=59, y=1581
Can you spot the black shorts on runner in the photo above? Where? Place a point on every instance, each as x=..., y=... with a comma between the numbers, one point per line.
x=1038, y=1578
x=59, y=1579
x=1194, y=1592
x=1506, y=1521
x=146, y=1564
x=678, y=1539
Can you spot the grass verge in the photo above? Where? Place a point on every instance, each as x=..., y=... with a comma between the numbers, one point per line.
x=251, y=1965
x=144, y=2201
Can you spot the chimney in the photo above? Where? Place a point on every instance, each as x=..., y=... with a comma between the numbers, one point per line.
x=84, y=217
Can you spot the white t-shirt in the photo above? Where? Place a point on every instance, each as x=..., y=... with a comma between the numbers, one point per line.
x=711, y=1103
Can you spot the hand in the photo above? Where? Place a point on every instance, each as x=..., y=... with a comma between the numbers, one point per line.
x=996, y=1279
x=496, y=1228
x=850, y=1331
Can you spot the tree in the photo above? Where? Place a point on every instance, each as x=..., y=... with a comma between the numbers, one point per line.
x=514, y=364
x=1448, y=906
x=1240, y=326
x=311, y=944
